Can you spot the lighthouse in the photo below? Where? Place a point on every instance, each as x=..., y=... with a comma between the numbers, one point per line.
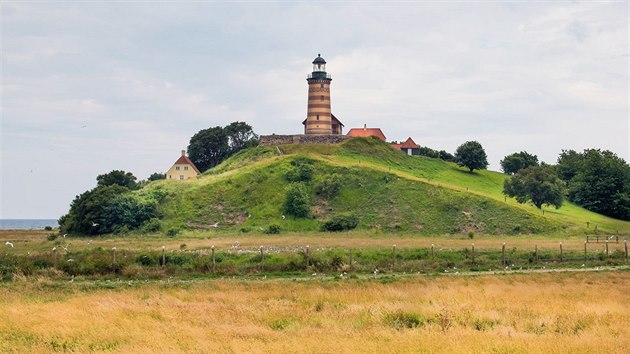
x=319, y=119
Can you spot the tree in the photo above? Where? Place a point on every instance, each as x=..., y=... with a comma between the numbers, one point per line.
x=569, y=163
x=538, y=184
x=117, y=177
x=517, y=161
x=208, y=148
x=240, y=136
x=156, y=176
x=600, y=182
x=87, y=211
x=471, y=155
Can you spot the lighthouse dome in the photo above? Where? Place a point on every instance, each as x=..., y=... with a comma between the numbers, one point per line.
x=319, y=60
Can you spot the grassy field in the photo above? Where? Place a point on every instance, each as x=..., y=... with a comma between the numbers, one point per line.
x=389, y=192
x=551, y=313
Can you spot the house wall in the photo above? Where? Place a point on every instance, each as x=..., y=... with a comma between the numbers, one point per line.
x=184, y=170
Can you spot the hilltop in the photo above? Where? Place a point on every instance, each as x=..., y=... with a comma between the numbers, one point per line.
x=388, y=191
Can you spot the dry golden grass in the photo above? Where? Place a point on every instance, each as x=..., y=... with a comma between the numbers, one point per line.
x=556, y=313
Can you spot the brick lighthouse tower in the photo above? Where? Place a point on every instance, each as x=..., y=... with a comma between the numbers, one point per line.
x=319, y=119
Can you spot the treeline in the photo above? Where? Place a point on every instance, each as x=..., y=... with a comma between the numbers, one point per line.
x=597, y=180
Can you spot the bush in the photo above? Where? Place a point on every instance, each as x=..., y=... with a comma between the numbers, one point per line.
x=329, y=186
x=340, y=223
x=402, y=320
x=172, y=232
x=298, y=200
x=52, y=237
x=301, y=171
x=153, y=225
x=273, y=229
x=48, y=228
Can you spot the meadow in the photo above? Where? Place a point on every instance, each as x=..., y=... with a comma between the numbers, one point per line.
x=515, y=313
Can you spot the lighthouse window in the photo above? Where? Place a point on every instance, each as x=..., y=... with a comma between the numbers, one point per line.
x=321, y=98
x=318, y=117
x=322, y=86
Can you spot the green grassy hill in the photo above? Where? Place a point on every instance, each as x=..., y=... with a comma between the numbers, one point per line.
x=387, y=190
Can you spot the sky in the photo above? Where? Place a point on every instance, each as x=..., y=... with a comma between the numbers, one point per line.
x=89, y=87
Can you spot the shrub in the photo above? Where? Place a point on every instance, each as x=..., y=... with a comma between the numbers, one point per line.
x=273, y=229
x=152, y=225
x=301, y=171
x=48, y=228
x=172, y=232
x=52, y=237
x=401, y=320
x=329, y=186
x=298, y=200
x=340, y=223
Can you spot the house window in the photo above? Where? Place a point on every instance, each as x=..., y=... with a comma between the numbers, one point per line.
x=176, y=168
x=321, y=98
x=185, y=168
x=181, y=177
x=169, y=176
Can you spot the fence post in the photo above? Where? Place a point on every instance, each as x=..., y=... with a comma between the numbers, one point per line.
x=54, y=254
x=473, y=253
x=393, y=257
x=163, y=256
x=536, y=253
x=308, y=248
x=351, y=259
x=262, y=257
x=584, y=251
x=503, y=254
x=560, y=251
x=214, y=261
x=625, y=246
x=432, y=252
x=606, y=248
x=114, y=254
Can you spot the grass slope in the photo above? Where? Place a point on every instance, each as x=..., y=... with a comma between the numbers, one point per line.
x=386, y=189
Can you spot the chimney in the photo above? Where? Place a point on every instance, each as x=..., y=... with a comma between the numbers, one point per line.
x=364, y=126
x=183, y=152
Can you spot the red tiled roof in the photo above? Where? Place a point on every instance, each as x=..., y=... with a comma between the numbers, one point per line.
x=365, y=132
x=184, y=160
x=409, y=144
x=395, y=146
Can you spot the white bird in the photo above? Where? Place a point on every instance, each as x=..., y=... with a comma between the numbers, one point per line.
x=216, y=224
x=64, y=235
x=8, y=244
x=94, y=224
x=72, y=280
x=283, y=217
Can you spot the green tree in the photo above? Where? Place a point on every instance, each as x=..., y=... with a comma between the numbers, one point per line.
x=517, y=161
x=240, y=136
x=569, y=163
x=538, y=184
x=298, y=200
x=208, y=148
x=600, y=182
x=156, y=176
x=117, y=177
x=87, y=211
x=471, y=155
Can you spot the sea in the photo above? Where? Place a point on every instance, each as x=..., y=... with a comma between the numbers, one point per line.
x=27, y=224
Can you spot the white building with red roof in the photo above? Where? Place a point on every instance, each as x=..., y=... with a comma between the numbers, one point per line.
x=182, y=169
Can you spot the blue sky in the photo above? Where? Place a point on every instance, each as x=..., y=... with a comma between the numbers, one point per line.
x=88, y=87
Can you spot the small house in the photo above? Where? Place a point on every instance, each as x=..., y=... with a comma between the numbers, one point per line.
x=365, y=132
x=182, y=169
